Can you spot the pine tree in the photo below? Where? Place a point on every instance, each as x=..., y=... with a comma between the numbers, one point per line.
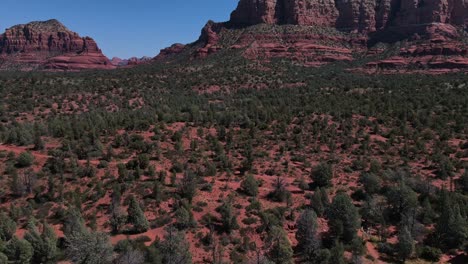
x=405, y=246
x=317, y=203
x=118, y=217
x=228, y=217
x=38, y=142
x=280, y=251
x=44, y=245
x=3, y=258
x=158, y=192
x=19, y=251
x=307, y=237
x=183, y=218
x=7, y=227
x=188, y=186
x=174, y=248
x=343, y=218
x=136, y=216
x=337, y=254
x=82, y=245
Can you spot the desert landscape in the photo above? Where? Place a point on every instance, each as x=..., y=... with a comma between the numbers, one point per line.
x=296, y=132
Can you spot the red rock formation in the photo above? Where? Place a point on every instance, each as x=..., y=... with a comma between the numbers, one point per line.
x=210, y=38
x=172, y=50
x=351, y=15
x=306, y=31
x=51, y=45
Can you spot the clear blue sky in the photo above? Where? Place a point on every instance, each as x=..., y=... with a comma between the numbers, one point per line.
x=123, y=28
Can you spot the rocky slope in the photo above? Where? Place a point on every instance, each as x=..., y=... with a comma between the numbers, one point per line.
x=49, y=45
x=430, y=33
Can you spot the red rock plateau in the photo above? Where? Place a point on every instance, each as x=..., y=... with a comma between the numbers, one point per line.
x=431, y=35
x=49, y=45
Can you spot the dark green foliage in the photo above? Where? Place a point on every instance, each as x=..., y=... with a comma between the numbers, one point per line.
x=464, y=182
x=430, y=254
x=307, y=236
x=279, y=193
x=25, y=159
x=402, y=200
x=280, y=251
x=452, y=226
x=184, y=218
x=322, y=175
x=317, y=202
x=84, y=246
x=7, y=227
x=405, y=246
x=344, y=219
x=228, y=216
x=371, y=183
x=337, y=254
x=44, y=244
x=19, y=251
x=143, y=161
x=158, y=192
x=136, y=216
x=188, y=185
x=174, y=248
x=250, y=186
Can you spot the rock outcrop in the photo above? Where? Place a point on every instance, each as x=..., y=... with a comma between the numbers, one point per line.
x=316, y=32
x=49, y=45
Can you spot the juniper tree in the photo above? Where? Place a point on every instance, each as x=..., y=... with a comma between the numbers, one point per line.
x=317, y=203
x=343, y=217
x=136, y=216
x=322, y=175
x=307, y=236
x=337, y=254
x=188, y=185
x=250, y=186
x=280, y=251
x=174, y=249
x=7, y=227
x=228, y=217
x=19, y=251
x=83, y=246
x=405, y=246
x=44, y=244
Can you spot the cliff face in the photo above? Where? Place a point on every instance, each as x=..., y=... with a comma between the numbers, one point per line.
x=351, y=15
x=316, y=32
x=49, y=44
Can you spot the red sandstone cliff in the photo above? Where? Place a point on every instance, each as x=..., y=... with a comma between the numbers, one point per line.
x=318, y=32
x=49, y=45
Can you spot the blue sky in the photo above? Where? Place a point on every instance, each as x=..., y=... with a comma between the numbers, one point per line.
x=123, y=28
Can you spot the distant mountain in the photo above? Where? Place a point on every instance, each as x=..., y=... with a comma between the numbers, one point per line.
x=390, y=34
x=49, y=45
x=130, y=62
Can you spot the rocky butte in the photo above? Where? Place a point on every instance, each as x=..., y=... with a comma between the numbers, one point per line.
x=49, y=45
x=393, y=34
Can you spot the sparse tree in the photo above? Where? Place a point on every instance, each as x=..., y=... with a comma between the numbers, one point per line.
x=84, y=246
x=307, y=237
x=174, y=249
x=343, y=218
x=136, y=216
x=405, y=246
x=250, y=186
x=322, y=175
x=280, y=251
